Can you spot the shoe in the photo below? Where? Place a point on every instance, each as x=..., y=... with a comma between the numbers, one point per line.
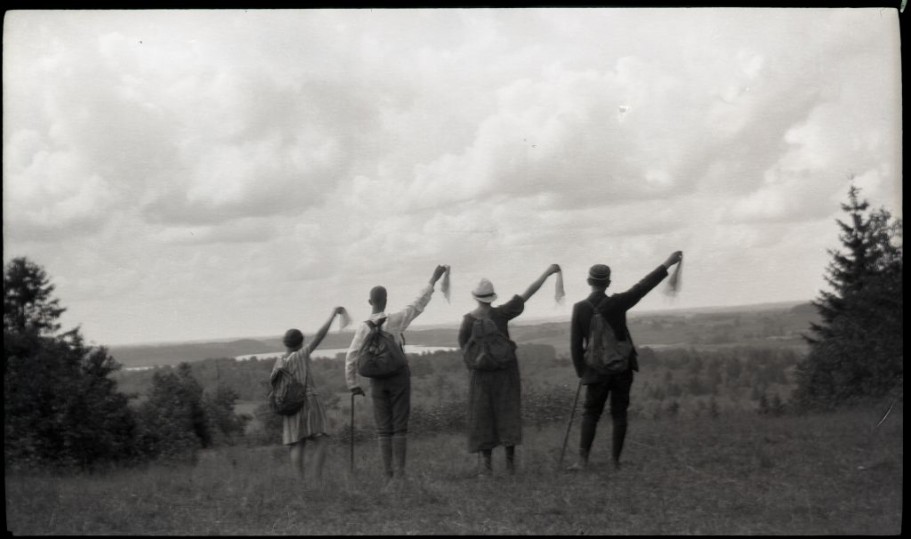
x=578, y=466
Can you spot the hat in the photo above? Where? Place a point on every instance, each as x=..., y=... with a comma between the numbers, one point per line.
x=293, y=338
x=600, y=273
x=484, y=292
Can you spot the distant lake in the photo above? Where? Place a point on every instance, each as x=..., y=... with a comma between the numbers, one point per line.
x=330, y=353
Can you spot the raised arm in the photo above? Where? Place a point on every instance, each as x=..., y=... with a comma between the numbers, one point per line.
x=626, y=300
x=674, y=258
x=533, y=287
x=321, y=332
x=399, y=321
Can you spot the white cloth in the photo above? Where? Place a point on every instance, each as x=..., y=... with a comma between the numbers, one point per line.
x=396, y=324
x=559, y=294
x=444, y=285
x=344, y=319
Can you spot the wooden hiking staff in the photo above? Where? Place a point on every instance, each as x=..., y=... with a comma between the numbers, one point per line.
x=570, y=424
x=351, y=464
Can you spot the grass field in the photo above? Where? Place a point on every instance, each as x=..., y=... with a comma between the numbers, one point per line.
x=740, y=473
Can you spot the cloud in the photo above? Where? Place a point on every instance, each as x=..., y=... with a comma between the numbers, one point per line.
x=237, y=168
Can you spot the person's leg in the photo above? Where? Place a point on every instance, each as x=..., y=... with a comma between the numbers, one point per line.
x=382, y=416
x=486, y=464
x=595, y=398
x=297, y=457
x=401, y=411
x=619, y=404
x=511, y=459
x=319, y=457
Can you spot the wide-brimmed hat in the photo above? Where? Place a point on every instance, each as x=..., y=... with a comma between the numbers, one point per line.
x=484, y=292
x=599, y=273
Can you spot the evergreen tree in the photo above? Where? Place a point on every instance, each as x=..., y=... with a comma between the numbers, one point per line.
x=856, y=351
x=60, y=405
x=869, y=252
x=28, y=306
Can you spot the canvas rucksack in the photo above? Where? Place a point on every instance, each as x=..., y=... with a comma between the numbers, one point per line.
x=605, y=353
x=488, y=349
x=288, y=395
x=380, y=356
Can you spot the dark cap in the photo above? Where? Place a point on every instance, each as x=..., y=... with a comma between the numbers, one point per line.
x=293, y=338
x=600, y=273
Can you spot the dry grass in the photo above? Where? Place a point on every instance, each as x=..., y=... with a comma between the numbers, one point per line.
x=738, y=474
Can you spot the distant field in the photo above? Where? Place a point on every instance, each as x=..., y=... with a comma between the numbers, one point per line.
x=760, y=325
x=737, y=474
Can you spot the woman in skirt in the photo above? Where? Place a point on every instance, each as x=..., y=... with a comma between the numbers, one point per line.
x=310, y=422
x=494, y=396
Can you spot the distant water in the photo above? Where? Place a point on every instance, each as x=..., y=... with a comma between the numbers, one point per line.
x=330, y=353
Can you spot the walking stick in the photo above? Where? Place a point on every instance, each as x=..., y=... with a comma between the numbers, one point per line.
x=570, y=424
x=351, y=465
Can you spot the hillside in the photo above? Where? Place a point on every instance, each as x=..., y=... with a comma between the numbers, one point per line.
x=737, y=474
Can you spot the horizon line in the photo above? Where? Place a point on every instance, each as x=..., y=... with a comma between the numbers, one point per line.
x=526, y=321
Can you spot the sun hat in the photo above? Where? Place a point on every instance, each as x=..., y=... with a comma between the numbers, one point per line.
x=484, y=292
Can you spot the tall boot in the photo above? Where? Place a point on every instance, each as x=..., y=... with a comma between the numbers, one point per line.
x=511, y=459
x=386, y=453
x=399, y=448
x=617, y=444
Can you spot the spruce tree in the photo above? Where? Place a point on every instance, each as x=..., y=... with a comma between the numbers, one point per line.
x=856, y=351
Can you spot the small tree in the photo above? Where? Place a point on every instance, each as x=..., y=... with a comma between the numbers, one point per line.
x=173, y=420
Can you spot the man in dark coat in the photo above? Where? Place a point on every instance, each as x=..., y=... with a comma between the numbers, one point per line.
x=598, y=385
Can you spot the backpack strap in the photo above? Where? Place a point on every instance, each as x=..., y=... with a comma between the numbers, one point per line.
x=595, y=310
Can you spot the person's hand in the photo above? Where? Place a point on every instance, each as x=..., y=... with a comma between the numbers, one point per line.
x=437, y=273
x=357, y=391
x=554, y=268
x=338, y=310
x=674, y=258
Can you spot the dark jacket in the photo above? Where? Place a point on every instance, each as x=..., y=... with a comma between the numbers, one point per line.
x=614, y=311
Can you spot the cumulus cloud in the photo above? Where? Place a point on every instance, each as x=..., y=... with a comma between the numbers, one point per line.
x=225, y=166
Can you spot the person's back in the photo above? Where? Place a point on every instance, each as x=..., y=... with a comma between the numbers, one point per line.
x=494, y=393
x=309, y=422
x=391, y=394
x=600, y=383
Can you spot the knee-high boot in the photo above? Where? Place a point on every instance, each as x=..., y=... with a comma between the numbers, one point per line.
x=486, y=468
x=511, y=459
x=386, y=453
x=399, y=448
x=617, y=445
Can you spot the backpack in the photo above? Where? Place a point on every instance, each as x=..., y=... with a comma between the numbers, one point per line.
x=488, y=349
x=288, y=395
x=605, y=353
x=380, y=356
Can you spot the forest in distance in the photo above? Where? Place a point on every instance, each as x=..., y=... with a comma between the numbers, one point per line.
x=692, y=364
x=775, y=324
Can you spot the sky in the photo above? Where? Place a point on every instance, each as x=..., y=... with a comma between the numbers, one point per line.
x=192, y=175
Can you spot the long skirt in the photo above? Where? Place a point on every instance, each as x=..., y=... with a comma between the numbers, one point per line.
x=494, y=409
x=309, y=422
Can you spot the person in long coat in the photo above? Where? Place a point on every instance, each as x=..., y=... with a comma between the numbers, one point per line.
x=310, y=423
x=495, y=396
